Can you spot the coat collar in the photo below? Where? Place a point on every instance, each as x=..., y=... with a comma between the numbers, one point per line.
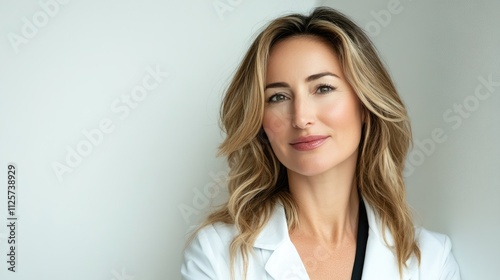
x=284, y=260
x=380, y=259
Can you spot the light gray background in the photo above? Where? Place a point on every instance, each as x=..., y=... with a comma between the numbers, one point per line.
x=118, y=213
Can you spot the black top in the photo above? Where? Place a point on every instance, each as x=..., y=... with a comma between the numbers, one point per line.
x=361, y=241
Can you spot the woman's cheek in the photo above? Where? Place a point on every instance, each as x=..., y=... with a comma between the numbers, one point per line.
x=274, y=122
x=340, y=113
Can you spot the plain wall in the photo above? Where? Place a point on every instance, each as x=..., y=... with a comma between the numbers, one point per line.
x=150, y=75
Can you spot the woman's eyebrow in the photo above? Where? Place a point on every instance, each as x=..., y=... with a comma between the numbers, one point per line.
x=308, y=79
x=277, y=85
x=319, y=75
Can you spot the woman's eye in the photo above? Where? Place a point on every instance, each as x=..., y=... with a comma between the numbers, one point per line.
x=325, y=89
x=277, y=98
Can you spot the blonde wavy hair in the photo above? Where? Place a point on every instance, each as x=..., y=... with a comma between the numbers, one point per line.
x=257, y=180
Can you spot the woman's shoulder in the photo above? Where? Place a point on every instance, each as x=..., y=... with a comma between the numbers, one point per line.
x=430, y=240
x=207, y=252
x=217, y=232
x=436, y=254
x=216, y=235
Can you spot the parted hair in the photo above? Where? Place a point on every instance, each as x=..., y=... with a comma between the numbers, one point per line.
x=257, y=180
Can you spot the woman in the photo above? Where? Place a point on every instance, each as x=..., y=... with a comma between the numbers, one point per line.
x=316, y=141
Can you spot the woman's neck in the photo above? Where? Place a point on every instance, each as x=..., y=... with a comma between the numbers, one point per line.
x=327, y=206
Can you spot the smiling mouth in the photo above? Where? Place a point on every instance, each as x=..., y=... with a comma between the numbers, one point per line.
x=308, y=143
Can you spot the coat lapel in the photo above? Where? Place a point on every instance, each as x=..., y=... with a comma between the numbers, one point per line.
x=380, y=261
x=285, y=263
x=283, y=260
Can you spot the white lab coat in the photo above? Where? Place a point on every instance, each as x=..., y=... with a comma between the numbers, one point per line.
x=275, y=257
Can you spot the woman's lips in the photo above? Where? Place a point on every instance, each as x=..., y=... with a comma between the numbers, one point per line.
x=308, y=143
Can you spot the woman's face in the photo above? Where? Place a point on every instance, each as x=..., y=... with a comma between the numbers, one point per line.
x=312, y=116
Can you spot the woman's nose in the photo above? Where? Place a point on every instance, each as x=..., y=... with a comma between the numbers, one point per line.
x=303, y=113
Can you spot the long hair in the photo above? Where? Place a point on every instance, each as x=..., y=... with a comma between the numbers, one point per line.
x=257, y=180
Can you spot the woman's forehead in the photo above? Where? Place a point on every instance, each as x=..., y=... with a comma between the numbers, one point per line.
x=300, y=57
